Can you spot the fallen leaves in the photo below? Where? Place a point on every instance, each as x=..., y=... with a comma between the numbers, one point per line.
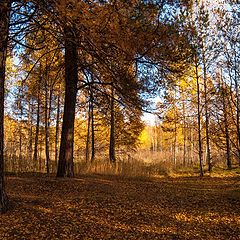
x=108, y=207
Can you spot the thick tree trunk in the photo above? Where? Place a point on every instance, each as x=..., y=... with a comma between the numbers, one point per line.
x=65, y=164
x=112, y=154
x=4, y=28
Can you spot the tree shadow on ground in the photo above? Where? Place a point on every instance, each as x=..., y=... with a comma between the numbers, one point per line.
x=105, y=207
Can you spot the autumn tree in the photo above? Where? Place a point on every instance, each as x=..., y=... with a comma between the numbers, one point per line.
x=230, y=34
x=4, y=29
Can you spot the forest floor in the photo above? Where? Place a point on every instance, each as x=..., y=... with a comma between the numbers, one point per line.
x=111, y=207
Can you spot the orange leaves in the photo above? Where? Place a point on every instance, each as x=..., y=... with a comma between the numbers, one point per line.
x=97, y=207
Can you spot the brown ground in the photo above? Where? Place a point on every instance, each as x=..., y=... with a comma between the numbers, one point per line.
x=97, y=207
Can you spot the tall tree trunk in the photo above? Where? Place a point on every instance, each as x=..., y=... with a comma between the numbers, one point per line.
x=200, y=152
x=47, y=107
x=184, y=135
x=65, y=164
x=4, y=29
x=57, y=128
x=209, y=160
x=19, y=105
x=35, y=154
x=238, y=124
x=88, y=132
x=112, y=154
x=175, y=135
x=236, y=82
x=30, y=124
x=229, y=163
x=92, y=126
x=192, y=145
x=227, y=137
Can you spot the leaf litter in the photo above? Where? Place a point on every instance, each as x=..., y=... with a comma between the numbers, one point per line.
x=113, y=207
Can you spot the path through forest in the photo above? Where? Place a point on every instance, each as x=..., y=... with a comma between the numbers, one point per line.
x=108, y=207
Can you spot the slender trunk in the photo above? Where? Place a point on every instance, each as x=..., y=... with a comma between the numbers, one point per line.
x=227, y=137
x=35, y=154
x=209, y=161
x=88, y=131
x=184, y=135
x=112, y=154
x=4, y=28
x=40, y=156
x=160, y=142
x=175, y=137
x=200, y=152
x=238, y=127
x=65, y=164
x=192, y=146
x=229, y=163
x=237, y=105
x=19, y=105
x=57, y=128
x=30, y=124
x=47, y=127
x=20, y=159
x=92, y=127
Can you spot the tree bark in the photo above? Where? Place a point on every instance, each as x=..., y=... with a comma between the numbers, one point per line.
x=35, y=154
x=65, y=164
x=88, y=132
x=4, y=30
x=229, y=163
x=20, y=166
x=47, y=116
x=184, y=135
x=175, y=135
x=200, y=152
x=30, y=125
x=227, y=138
x=237, y=105
x=57, y=128
x=112, y=154
x=209, y=160
x=92, y=126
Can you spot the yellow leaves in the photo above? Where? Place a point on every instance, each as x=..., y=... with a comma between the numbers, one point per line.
x=145, y=139
x=44, y=210
x=210, y=218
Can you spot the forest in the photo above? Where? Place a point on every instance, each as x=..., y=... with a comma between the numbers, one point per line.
x=119, y=93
